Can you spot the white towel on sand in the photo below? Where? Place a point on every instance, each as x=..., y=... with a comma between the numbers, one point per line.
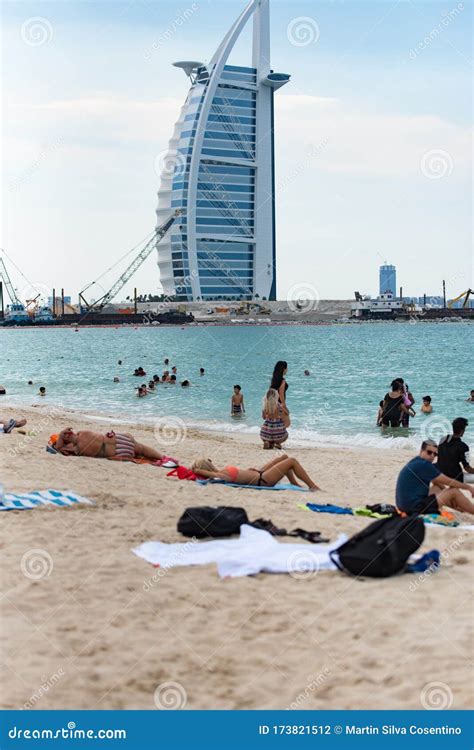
x=253, y=552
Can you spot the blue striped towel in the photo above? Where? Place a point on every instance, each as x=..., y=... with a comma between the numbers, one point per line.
x=29, y=500
x=252, y=486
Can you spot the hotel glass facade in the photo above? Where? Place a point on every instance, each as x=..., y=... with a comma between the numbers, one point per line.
x=220, y=170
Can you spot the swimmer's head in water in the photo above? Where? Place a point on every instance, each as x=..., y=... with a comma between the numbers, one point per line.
x=173, y=378
x=203, y=463
x=185, y=383
x=116, y=380
x=427, y=399
x=237, y=388
x=42, y=390
x=201, y=370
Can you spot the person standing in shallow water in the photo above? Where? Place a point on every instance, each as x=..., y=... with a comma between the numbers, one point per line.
x=281, y=386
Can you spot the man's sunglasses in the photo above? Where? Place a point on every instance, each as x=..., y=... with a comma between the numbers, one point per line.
x=432, y=453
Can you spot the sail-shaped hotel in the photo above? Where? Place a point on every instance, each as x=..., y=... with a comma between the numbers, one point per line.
x=219, y=169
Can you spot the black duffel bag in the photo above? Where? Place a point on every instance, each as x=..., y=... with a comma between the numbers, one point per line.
x=382, y=548
x=219, y=521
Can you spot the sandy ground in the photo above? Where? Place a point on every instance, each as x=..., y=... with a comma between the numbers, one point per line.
x=97, y=632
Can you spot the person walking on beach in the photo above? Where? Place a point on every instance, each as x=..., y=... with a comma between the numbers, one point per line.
x=280, y=385
x=453, y=454
x=268, y=476
x=273, y=431
x=393, y=405
x=237, y=407
x=422, y=488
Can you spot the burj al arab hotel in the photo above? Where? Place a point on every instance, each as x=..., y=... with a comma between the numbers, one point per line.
x=219, y=169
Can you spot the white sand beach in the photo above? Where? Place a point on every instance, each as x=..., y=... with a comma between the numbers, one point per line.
x=98, y=634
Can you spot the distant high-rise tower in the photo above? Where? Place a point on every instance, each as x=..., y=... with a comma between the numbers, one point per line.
x=220, y=169
x=388, y=279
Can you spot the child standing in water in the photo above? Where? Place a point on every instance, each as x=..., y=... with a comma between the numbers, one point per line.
x=237, y=407
x=273, y=431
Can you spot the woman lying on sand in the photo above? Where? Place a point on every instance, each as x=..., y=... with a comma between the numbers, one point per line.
x=110, y=445
x=268, y=476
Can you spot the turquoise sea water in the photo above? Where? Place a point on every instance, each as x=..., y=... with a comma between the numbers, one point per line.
x=351, y=370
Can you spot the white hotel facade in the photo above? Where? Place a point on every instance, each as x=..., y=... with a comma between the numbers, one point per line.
x=220, y=169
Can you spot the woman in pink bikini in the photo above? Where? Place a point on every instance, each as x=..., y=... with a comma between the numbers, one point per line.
x=268, y=476
x=95, y=445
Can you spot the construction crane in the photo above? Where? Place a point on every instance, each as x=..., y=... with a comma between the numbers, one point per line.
x=466, y=296
x=99, y=304
x=6, y=278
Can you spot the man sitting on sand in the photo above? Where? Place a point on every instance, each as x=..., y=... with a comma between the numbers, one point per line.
x=96, y=445
x=419, y=476
x=453, y=453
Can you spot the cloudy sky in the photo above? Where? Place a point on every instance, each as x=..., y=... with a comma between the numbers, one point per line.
x=373, y=137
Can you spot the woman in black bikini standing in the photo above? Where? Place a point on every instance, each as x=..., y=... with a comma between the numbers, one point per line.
x=279, y=384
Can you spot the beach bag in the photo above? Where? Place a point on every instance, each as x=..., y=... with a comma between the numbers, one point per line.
x=203, y=521
x=382, y=549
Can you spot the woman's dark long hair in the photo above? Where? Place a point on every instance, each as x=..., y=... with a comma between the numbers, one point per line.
x=277, y=376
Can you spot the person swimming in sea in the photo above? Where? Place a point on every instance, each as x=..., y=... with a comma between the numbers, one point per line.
x=151, y=385
x=185, y=384
x=201, y=371
x=237, y=407
x=426, y=407
x=42, y=391
x=471, y=397
x=141, y=391
x=268, y=476
x=273, y=431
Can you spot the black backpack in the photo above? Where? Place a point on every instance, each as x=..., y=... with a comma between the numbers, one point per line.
x=382, y=548
x=212, y=521
x=225, y=520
